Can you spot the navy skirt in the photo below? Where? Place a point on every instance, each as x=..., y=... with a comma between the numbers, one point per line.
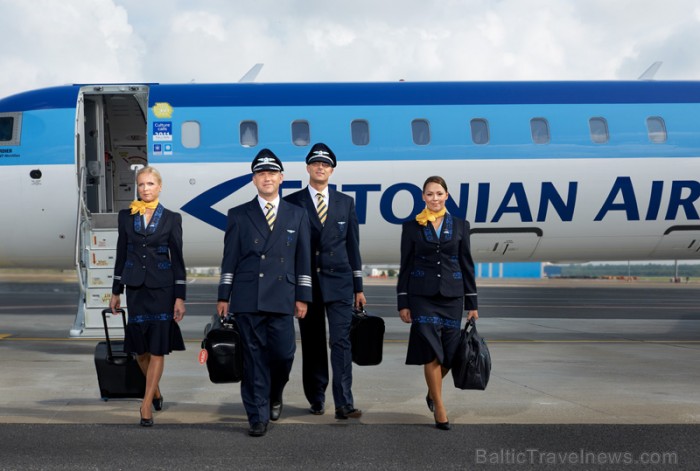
x=435, y=329
x=151, y=328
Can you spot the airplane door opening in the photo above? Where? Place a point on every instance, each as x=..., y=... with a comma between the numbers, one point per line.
x=114, y=129
x=110, y=142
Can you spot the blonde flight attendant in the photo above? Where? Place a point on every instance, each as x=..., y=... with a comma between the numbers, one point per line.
x=150, y=265
x=436, y=283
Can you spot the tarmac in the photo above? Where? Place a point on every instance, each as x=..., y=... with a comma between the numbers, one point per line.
x=602, y=385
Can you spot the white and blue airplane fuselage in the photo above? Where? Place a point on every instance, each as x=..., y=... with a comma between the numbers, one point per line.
x=544, y=171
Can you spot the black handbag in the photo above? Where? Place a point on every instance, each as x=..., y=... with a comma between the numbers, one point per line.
x=366, y=338
x=471, y=367
x=222, y=343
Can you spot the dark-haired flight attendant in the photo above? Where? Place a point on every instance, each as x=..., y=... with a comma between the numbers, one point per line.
x=436, y=283
x=150, y=265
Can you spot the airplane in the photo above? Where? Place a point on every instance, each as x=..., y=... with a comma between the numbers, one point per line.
x=544, y=171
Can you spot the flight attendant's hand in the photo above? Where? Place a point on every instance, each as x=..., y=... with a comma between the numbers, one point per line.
x=179, y=310
x=405, y=315
x=115, y=303
x=472, y=315
x=300, y=308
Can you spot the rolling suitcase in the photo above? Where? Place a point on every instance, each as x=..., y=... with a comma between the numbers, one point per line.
x=118, y=373
x=367, y=338
x=222, y=344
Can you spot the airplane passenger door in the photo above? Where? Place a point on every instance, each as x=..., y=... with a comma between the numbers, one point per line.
x=111, y=137
x=504, y=244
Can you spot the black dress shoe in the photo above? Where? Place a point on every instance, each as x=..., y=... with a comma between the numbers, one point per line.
x=275, y=410
x=317, y=408
x=431, y=404
x=347, y=412
x=158, y=403
x=258, y=429
x=145, y=422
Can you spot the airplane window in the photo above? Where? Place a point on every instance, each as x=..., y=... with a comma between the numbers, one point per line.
x=540, y=130
x=6, y=125
x=301, y=135
x=191, y=134
x=480, y=131
x=599, y=130
x=656, y=129
x=360, y=132
x=421, y=132
x=10, y=124
x=249, y=133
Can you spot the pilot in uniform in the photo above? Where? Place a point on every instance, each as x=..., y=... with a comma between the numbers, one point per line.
x=336, y=268
x=265, y=281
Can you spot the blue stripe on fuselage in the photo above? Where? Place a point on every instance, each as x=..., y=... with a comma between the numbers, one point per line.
x=425, y=93
x=389, y=108
x=382, y=94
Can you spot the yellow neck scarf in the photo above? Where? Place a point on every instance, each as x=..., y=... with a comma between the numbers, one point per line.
x=427, y=215
x=138, y=206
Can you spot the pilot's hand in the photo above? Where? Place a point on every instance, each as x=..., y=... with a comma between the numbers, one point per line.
x=115, y=303
x=360, y=300
x=222, y=308
x=405, y=315
x=472, y=315
x=300, y=308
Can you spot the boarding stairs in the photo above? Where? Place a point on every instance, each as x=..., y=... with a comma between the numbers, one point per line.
x=95, y=254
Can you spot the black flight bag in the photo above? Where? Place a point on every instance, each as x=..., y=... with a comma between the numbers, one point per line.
x=367, y=338
x=224, y=350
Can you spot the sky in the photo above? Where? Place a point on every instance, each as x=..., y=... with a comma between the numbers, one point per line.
x=54, y=42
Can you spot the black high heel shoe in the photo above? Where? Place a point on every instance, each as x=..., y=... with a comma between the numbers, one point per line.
x=158, y=403
x=431, y=404
x=145, y=422
x=442, y=425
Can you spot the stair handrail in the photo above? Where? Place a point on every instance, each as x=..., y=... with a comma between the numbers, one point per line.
x=82, y=218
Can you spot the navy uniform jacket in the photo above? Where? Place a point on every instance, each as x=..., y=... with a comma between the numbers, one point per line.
x=265, y=270
x=150, y=256
x=336, y=265
x=430, y=265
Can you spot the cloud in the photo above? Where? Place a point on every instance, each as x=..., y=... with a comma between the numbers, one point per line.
x=55, y=43
x=363, y=40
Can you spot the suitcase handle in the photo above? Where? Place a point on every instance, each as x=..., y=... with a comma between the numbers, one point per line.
x=104, y=322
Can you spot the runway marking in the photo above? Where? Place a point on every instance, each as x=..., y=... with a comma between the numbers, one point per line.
x=491, y=341
x=50, y=306
x=597, y=341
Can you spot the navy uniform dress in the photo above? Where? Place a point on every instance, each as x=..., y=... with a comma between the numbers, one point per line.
x=336, y=269
x=436, y=282
x=150, y=265
x=263, y=273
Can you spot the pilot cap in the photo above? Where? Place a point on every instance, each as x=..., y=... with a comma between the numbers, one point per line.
x=321, y=153
x=266, y=160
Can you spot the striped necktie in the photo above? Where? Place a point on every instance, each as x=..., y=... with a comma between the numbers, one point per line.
x=270, y=215
x=321, y=208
